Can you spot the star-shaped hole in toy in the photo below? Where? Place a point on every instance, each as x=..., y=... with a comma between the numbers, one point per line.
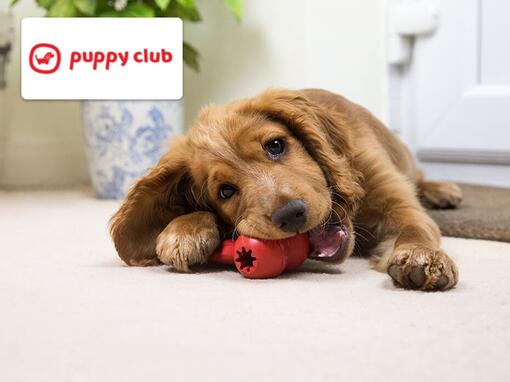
x=244, y=258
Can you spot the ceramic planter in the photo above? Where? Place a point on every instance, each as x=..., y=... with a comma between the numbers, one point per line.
x=124, y=139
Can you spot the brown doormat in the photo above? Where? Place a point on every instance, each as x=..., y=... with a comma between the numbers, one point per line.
x=483, y=214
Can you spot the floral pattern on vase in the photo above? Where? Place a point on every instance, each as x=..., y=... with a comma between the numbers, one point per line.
x=123, y=139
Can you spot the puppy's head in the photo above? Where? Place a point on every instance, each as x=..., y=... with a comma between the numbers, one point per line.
x=256, y=175
x=276, y=165
x=269, y=167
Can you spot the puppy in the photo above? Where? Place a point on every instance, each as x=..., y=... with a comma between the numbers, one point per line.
x=287, y=162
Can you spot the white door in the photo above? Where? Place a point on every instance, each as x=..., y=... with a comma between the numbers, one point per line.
x=457, y=93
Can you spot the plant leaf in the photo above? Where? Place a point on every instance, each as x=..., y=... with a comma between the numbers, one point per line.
x=191, y=56
x=46, y=4
x=185, y=10
x=87, y=7
x=235, y=7
x=13, y=2
x=62, y=8
x=187, y=3
x=138, y=10
x=162, y=4
x=110, y=13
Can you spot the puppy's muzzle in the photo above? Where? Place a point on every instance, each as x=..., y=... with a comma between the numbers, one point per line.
x=290, y=217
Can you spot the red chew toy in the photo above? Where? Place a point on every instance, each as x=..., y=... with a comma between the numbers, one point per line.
x=262, y=259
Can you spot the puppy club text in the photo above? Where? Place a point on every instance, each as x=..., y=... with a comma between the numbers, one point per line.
x=110, y=59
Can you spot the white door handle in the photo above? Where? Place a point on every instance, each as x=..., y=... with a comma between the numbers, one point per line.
x=407, y=20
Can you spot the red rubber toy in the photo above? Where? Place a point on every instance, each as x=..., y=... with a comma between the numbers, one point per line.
x=263, y=259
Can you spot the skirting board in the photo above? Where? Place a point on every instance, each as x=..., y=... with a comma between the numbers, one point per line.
x=495, y=175
x=488, y=157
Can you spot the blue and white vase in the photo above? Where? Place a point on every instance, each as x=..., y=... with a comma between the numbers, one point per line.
x=123, y=139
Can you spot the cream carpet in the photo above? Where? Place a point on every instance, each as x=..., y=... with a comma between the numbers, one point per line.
x=70, y=311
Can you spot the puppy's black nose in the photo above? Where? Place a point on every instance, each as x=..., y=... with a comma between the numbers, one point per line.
x=291, y=216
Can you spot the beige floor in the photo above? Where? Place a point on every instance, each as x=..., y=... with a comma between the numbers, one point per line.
x=70, y=311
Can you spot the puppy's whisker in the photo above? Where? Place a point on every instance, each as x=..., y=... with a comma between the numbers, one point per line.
x=253, y=230
x=359, y=232
x=363, y=229
x=238, y=221
x=362, y=236
x=249, y=227
x=203, y=191
x=342, y=208
x=328, y=219
x=342, y=199
x=337, y=195
x=339, y=219
x=357, y=251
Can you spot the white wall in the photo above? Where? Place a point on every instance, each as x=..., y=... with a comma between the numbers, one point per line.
x=335, y=44
x=42, y=139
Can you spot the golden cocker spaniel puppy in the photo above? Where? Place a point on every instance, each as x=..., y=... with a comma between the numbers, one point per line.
x=286, y=162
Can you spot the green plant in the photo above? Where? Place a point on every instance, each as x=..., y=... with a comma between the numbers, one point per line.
x=184, y=9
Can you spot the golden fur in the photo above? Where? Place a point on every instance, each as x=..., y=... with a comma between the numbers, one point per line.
x=339, y=159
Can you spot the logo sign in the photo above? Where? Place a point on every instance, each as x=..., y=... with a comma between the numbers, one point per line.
x=44, y=58
x=101, y=58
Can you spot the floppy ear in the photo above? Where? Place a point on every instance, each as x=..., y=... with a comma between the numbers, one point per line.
x=322, y=132
x=150, y=205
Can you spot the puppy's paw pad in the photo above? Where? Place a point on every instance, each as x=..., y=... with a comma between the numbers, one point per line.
x=415, y=267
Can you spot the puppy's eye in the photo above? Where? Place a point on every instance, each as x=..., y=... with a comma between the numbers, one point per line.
x=275, y=147
x=227, y=191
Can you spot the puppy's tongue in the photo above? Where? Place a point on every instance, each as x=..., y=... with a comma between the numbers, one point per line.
x=327, y=243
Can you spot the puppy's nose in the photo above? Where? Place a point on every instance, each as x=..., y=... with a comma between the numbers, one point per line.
x=291, y=216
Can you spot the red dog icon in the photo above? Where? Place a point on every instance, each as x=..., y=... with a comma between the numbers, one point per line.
x=46, y=59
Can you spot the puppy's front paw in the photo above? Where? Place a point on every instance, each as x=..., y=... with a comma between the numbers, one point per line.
x=416, y=267
x=188, y=240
